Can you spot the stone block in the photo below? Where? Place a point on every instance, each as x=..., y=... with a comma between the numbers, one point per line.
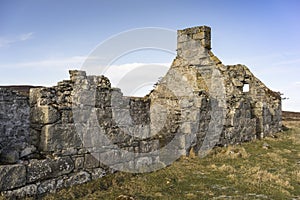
x=77, y=178
x=111, y=156
x=144, y=164
x=199, y=35
x=97, y=173
x=182, y=38
x=44, y=115
x=69, y=151
x=79, y=162
x=28, y=190
x=67, y=116
x=76, y=75
x=126, y=166
x=139, y=131
x=59, y=136
x=85, y=97
x=149, y=146
x=34, y=96
x=8, y=156
x=103, y=99
x=12, y=176
x=83, y=115
x=94, y=136
x=27, y=151
x=90, y=161
x=122, y=117
x=48, y=168
x=47, y=186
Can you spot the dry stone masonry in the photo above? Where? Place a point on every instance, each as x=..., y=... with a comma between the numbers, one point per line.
x=82, y=128
x=14, y=126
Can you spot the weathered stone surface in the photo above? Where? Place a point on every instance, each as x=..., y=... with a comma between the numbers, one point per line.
x=79, y=162
x=149, y=146
x=28, y=190
x=47, y=186
x=59, y=136
x=12, y=176
x=48, y=168
x=44, y=115
x=14, y=125
x=97, y=173
x=77, y=178
x=90, y=161
x=69, y=151
x=53, y=185
x=9, y=156
x=27, y=151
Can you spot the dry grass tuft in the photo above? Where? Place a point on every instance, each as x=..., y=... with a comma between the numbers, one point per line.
x=227, y=168
x=275, y=157
x=258, y=176
x=232, y=152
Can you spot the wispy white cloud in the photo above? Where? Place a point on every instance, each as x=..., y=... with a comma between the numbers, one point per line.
x=26, y=36
x=140, y=70
x=297, y=83
x=75, y=61
x=114, y=72
x=8, y=41
x=128, y=76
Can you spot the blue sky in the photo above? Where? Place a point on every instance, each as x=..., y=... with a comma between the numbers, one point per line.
x=41, y=39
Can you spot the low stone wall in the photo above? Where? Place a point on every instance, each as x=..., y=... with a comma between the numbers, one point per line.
x=83, y=129
x=39, y=176
x=24, y=170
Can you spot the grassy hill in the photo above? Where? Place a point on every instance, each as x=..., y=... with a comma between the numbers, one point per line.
x=262, y=169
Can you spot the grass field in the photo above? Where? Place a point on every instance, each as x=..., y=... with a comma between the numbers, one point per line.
x=262, y=169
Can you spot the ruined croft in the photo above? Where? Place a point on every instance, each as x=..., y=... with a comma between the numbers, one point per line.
x=82, y=128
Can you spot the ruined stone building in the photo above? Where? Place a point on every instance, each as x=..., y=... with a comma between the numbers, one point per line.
x=82, y=128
